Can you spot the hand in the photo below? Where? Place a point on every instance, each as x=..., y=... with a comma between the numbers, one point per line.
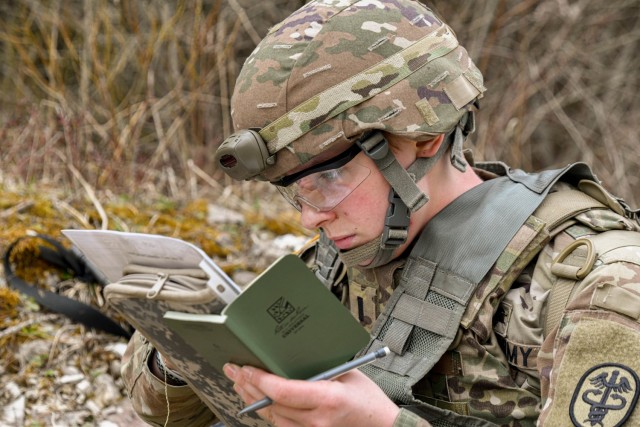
x=351, y=400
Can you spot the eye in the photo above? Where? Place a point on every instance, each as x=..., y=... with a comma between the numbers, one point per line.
x=329, y=176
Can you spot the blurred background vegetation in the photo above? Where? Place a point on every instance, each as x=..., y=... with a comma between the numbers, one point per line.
x=110, y=112
x=132, y=96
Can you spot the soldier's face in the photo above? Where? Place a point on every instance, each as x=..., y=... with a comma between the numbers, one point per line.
x=359, y=218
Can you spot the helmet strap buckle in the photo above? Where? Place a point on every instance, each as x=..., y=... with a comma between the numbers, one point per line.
x=394, y=234
x=464, y=128
x=396, y=223
x=376, y=147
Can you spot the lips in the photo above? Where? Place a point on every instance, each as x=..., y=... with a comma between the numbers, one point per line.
x=343, y=242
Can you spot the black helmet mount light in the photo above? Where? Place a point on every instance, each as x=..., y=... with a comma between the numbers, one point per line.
x=244, y=155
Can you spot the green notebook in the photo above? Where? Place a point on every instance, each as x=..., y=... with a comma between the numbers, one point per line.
x=286, y=321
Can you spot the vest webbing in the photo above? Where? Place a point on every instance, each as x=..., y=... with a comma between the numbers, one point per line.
x=554, y=211
x=566, y=283
x=455, y=251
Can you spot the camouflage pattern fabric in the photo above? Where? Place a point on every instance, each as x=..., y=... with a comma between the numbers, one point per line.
x=503, y=369
x=370, y=289
x=589, y=365
x=337, y=68
x=148, y=394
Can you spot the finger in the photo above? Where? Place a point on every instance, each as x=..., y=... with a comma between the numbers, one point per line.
x=293, y=393
x=276, y=417
x=289, y=414
x=231, y=371
x=248, y=395
x=247, y=391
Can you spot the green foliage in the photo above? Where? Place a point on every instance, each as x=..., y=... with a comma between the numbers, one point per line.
x=38, y=361
x=50, y=373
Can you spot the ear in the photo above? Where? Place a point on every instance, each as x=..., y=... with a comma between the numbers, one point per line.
x=429, y=147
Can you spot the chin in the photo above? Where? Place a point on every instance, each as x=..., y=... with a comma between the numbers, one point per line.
x=365, y=263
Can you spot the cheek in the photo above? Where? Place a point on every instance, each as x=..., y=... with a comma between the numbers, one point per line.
x=367, y=208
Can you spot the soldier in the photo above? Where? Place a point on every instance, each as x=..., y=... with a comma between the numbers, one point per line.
x=507, y=298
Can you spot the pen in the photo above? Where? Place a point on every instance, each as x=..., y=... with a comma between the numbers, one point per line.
x=327, y=375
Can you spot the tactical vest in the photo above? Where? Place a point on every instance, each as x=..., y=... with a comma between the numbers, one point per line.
x=463, y=263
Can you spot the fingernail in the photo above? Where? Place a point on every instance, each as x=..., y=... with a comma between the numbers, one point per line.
x=248, y=372
x=230, y=370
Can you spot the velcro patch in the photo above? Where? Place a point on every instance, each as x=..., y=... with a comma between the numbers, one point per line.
x=595, y=377
x=502, y=318
x=460, y=91
x=428, y=113
x=617, y=299
x=605, y=395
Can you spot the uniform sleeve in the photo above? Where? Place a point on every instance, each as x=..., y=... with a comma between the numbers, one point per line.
x=152, y=399
x=589, y=365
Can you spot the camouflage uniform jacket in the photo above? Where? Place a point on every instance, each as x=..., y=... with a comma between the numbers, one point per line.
x=504, y=365
x=507, y=364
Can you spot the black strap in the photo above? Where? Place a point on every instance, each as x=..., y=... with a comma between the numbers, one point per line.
x=63, y=259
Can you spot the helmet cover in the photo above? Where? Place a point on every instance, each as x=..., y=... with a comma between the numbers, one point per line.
x=335, y=69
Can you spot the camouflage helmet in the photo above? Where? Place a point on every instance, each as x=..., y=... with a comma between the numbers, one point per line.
x=335, y=69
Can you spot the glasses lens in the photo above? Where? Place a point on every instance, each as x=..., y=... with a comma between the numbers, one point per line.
x=325, y=190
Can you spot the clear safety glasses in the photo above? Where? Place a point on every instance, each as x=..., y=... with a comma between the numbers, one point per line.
x=325, y=189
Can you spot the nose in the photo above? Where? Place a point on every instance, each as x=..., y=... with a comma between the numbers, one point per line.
x=311, y=218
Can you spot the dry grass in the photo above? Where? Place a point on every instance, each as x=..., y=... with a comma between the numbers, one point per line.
x=132, y=96
x=562, y=83
x=110, y=94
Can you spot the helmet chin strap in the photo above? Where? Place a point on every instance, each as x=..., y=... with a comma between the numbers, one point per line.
x=405, y=196
x=394, y=234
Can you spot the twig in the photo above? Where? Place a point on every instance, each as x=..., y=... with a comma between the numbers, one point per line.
x=15, y=209
x=90, y=193
x=73, y=212
x=56, y=340
x=17, y=328
x=568, y=124
x=246, y=22
x=202, y=174
x=222, y=75
x=226, y=191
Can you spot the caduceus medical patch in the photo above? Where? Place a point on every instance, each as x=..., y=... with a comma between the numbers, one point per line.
x=605, y=396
